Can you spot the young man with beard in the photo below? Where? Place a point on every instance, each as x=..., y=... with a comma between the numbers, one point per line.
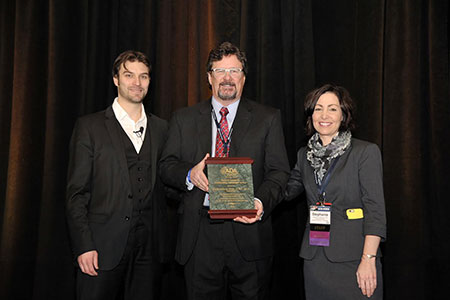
x=230, y=255
x=116, y=211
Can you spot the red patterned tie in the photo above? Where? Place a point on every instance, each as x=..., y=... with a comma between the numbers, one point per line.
x=220, y=149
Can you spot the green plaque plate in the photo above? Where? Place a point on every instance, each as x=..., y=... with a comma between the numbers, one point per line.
x=230, y=187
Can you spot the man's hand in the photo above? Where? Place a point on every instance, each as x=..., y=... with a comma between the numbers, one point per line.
x=198, y=177
x=88, y=262
x=246, y=220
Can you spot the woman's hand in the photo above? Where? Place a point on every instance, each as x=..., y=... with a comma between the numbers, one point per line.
x=366, y=276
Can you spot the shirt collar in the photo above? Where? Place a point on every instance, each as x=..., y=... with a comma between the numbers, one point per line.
x=122, y=115
x=232, y=108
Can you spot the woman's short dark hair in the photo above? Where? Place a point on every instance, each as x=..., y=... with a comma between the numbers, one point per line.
x=345, y=101
x=130, y=55
x=226, y=49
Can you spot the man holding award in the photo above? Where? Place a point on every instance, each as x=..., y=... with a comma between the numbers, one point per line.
x=234, y=253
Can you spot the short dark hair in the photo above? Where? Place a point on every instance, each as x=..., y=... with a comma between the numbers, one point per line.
x=130, y=55
x=345, y=101
x=226, y=49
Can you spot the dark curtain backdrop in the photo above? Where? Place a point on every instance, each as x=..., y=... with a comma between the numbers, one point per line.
x=392, y=55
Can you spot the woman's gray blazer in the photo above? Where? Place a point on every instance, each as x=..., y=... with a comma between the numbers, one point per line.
x=356, y=182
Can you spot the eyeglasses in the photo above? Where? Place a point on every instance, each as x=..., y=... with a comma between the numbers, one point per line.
x=234, y=72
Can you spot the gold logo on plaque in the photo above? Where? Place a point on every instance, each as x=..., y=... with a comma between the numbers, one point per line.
x=229, y=172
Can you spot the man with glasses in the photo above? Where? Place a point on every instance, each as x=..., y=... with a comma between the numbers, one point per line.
x=228, y=256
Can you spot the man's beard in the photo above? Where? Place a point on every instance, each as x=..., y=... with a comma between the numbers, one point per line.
x=227, y=97
x=136, y=99
x=132, y=97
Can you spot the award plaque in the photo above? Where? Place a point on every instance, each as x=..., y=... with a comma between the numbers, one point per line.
x=230, y=187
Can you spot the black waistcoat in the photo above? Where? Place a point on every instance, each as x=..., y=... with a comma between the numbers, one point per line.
x=140, y=170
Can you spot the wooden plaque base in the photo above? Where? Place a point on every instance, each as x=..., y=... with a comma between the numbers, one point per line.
x=231, y=213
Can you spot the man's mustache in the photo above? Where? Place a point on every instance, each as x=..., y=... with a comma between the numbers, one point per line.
x=227, y=83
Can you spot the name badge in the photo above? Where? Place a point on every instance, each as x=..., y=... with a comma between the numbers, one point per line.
x=319, y=225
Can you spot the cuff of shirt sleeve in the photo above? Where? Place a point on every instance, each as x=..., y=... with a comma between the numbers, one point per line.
x=262, y=214
x=189, y=184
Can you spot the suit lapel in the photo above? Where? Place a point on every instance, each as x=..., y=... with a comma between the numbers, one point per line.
x=204, y=128
x=311, y=179
x=334, y=175
x=240, y=126
x=115, y=135
x=338, y=169
x=153, y=147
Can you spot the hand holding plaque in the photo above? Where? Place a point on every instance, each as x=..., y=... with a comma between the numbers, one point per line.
x=230, y=187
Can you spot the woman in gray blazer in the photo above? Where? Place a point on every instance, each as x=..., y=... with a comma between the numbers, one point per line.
x=343, y=180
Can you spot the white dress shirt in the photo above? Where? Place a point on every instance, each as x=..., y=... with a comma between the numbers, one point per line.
x=131, y=128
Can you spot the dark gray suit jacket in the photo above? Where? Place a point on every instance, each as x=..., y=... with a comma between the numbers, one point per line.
x=356, y=182
x=99, y=204
x=257, y=133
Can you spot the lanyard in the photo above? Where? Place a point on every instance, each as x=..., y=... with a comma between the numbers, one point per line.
x=321, y=188
x=225, y=140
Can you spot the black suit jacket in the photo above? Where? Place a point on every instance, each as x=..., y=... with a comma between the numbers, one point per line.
x=257, y=133
x=356, y=182
x=99, y=204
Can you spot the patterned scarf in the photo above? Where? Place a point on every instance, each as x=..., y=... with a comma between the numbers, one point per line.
x=320, y=156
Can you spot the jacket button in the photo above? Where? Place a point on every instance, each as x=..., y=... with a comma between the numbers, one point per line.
x=130, y=196
x=127, y=218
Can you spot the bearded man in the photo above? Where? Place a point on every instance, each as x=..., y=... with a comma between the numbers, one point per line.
x=227, y=256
